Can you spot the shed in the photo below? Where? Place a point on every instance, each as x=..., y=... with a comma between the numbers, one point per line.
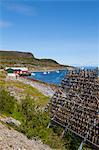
x=10, y=70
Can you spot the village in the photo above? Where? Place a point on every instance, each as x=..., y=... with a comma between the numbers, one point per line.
x=17, y=71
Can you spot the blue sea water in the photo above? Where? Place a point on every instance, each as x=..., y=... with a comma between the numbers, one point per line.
x=54, y=77
x=51, y=77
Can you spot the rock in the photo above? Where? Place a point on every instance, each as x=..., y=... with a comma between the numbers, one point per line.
x=13, y=121
x=10, y=120
x=0, y=138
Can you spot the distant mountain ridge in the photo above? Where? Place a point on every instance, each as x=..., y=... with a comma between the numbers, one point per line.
x=27, y=59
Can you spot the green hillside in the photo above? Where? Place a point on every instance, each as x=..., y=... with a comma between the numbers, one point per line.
x=20, y=59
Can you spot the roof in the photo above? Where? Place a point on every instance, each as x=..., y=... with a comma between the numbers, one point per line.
x=17, y=68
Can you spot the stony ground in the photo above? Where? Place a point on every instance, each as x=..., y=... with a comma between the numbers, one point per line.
x=47, y=90
x=10, y=139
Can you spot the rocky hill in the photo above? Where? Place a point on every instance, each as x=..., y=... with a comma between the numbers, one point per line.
x=26, y=59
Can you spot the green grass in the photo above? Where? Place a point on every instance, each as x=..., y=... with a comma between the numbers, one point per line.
x=24, y=89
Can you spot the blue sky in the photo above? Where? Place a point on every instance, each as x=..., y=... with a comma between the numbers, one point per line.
x=67, y=31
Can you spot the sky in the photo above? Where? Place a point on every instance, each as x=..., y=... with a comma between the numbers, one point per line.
x=66, y=31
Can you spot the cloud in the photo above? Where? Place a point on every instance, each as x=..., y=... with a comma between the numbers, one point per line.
x=5, y=24
x=20, y=8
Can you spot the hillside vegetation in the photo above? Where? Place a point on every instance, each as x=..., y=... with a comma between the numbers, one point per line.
x=14, y=58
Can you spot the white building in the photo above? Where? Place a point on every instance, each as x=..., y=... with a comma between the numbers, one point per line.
x=18, y=68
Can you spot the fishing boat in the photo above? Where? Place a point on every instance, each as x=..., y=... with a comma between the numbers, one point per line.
x=57, y=71
x=44, y=72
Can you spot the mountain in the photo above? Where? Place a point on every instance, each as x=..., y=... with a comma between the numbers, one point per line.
x=26, y=59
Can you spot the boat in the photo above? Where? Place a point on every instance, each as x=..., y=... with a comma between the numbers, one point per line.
x=57, y=71
x=44, y=72
x=33, y=74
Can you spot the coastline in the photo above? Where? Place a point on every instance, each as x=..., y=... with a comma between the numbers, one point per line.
x=44, y=88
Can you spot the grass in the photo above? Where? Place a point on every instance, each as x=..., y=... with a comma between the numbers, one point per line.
x=26, y=90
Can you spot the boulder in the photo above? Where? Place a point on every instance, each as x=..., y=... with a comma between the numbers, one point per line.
x=13, y=121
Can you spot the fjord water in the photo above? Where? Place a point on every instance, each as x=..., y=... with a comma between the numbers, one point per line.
x=55, y=77
x=51, y=77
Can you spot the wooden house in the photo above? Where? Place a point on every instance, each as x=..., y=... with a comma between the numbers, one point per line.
x=17, y=71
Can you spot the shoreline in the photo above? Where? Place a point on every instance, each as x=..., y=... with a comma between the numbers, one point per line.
x=46, y=89
x=54, y=69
